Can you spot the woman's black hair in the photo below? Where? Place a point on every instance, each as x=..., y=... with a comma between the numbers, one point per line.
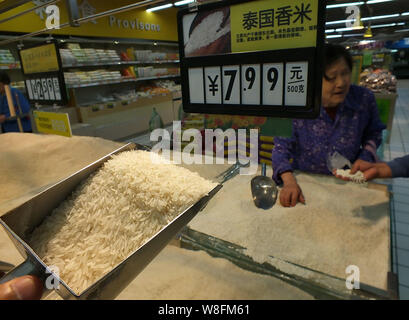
x=4, y=78
x=333, y=52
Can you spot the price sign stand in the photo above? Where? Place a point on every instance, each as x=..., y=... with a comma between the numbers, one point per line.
x=256, y=58
x=44, y=77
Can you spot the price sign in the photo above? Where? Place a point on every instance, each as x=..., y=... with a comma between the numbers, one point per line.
x=260, y=58
x=44, y=77
x=53, y=123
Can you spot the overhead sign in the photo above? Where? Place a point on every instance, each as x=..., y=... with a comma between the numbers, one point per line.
x=44, y=77
x=53, y=123
x=39, y=59
x=253, y=57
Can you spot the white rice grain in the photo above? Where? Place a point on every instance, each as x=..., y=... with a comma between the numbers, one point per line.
x=113, y=213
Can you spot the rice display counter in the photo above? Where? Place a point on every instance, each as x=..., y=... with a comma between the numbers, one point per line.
x=343, y=227
x=232, y=249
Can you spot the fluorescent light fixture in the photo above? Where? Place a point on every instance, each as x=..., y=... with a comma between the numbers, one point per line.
x=381, y=17
x=402, y=30
x=377, y=1
x=339, y=21
x=334, y=36
x=349, y=29
x=353, y=35
x=331, y=6
x=400, y=23
x=181, y=3
x=405, y=14
x=366, y=41
x=165, y=6
x=394, y=50
x=329, y=30
x=383, y=25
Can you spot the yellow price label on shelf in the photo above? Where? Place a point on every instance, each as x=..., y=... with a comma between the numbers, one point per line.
x=274, y=25
x=53, y=123
x=39, y=59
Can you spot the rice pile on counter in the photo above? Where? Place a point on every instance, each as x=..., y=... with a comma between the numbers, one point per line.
x=113, y=213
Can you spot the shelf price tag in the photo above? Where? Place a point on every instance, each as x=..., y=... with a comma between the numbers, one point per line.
x=53, y=123
x=261, y=58
x=42, y=69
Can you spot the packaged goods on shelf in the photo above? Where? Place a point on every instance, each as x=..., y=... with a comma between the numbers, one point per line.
x=145, y=72
x=68, y=57
x=168, y=84
x=378, y=80
x=6, y=57
x=81, y=77
x=18, y=85
x=158, y=56
x=83, y=56
x=172, y=56
x=143, y=55
x=173, y=71
x=157, y=87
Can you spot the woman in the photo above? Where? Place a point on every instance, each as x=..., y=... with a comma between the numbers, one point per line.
x=348, y=124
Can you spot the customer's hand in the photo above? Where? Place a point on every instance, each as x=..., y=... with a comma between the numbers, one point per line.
x=22, y=288
x=291, y=192
x=370, y=170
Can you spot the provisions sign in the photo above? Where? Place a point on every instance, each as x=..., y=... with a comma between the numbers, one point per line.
x=261, y=58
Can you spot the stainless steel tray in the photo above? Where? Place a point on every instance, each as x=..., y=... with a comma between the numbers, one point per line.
x=21, y=221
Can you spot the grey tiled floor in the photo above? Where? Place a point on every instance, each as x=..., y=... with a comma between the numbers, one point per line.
x=397, y=146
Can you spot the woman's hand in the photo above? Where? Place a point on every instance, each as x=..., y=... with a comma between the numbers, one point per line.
x=291, y=192
x=370, y=170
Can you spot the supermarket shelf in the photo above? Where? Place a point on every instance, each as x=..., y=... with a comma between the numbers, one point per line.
x=10, y=67
x=118, y=63
x=98, y=83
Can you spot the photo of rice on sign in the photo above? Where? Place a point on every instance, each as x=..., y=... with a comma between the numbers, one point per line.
x=207, y=33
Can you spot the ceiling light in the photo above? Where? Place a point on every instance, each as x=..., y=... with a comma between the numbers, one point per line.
x=402, y=30
x=381, y=17
x=339, y=21
x=353, y=35
x=334, y=36
x=405, y=14
x=363, y=42
x=384, y=25
x=329, y=30
x=331, y=6
x=165, y=6
x=377, y=1
x=181, y=3
x=349, y=29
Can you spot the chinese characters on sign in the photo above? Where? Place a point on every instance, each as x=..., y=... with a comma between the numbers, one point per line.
x=284, y=17
x=264, y=21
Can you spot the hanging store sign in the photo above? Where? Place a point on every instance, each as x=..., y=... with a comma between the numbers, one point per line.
x=259, y=58
x=53, y=123
x=44, y=79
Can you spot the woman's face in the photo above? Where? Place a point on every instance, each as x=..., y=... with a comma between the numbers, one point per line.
x=336, y=83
